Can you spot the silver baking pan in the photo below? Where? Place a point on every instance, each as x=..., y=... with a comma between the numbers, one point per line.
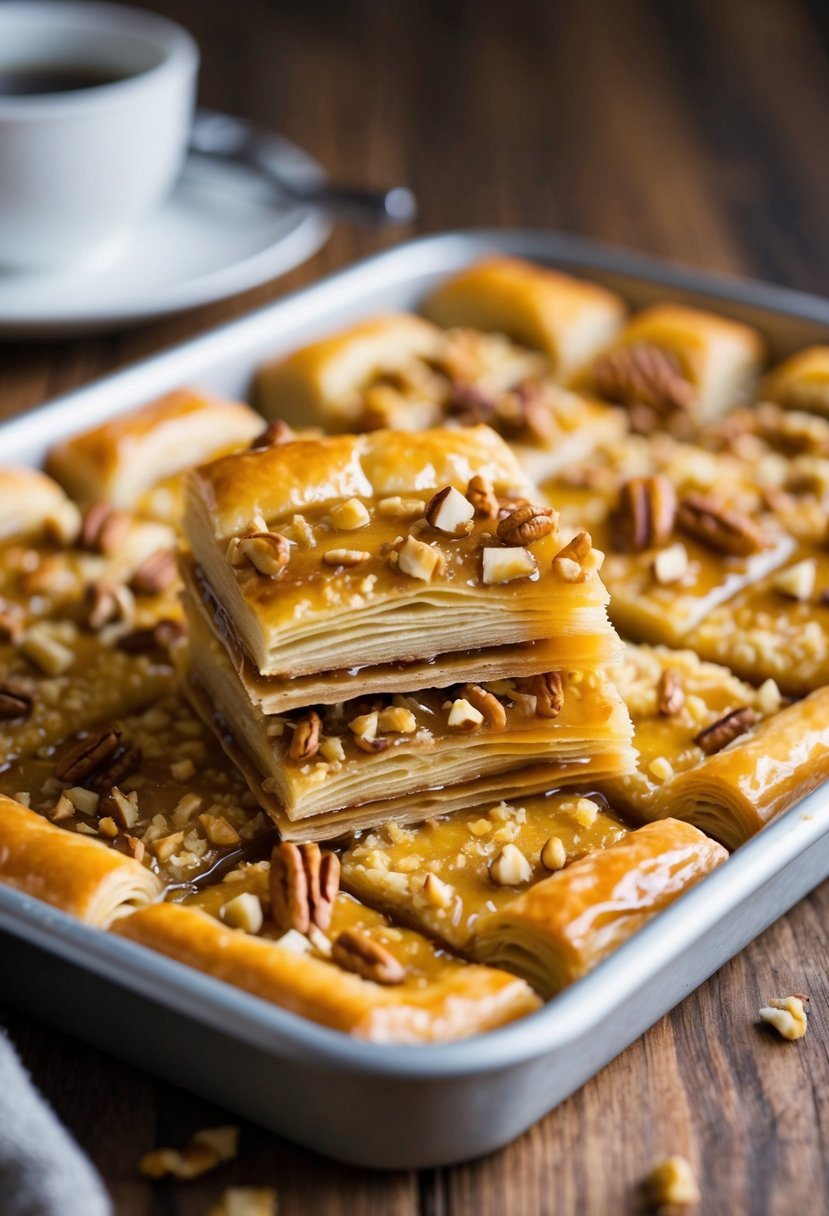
x=395, y=1107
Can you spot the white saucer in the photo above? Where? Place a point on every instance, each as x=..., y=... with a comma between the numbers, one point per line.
x=222, y=231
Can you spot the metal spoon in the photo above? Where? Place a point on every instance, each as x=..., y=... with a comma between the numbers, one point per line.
x=234, y=139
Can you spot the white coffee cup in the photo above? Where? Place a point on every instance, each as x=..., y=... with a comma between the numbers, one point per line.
x=78, y=168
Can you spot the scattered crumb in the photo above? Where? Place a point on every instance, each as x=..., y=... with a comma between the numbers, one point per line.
x=246, y=1201
x=672, y=1181
x=204, y=1151
x=787, y=1015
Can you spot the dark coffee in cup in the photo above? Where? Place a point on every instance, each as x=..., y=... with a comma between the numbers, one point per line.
x=37, y=79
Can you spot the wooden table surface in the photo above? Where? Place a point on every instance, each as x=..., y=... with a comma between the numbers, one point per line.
x=693, y=131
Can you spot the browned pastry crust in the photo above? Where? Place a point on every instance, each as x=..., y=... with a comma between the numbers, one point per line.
x=458, y=1001
x=73, y=873
x=562, y=927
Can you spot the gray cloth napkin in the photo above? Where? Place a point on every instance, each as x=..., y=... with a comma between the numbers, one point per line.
x=42, y=1170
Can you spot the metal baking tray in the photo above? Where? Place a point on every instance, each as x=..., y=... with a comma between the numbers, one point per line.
x=384, y=1106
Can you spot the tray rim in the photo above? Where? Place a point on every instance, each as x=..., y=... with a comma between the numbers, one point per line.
x=657, y=944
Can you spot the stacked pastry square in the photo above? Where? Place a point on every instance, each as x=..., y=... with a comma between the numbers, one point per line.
x=386, y=624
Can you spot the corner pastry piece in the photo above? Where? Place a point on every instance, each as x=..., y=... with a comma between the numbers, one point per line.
x=561, y=928
x=336, y=381
x=675, y=364
x=801, y=382
x=73, y=873
x=445, y=875
x=360, y=976
x=564, y=317
x=341, y=549
x=133, y=460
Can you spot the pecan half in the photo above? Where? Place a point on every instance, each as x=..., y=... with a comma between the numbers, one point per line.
x=155, y=574
x=644, y=374
x=645, y=514
x=670, y=694
x=723, y=529
x=88, y=755
x=486, y=703
x=14, y=702
x=162, y=636
x=526, y=524
x=303, y=884
x=107, y=601
x=353, y=951
x=481, y=494
x=103, y=528
x=715, y=737
x=306, y=739
x=548, y=689
x=125, y=762
x=274, y=434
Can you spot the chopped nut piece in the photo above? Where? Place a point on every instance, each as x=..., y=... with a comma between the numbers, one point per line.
x=218, y=831
x=332, y=750
x=63, y=809
x=449, y=512
x=304, y=882
x=246, y=1201
x=715, y=737
x=397, y=721
x=14, y=702
x=223, y=1140
x=439, y=893
x=645, y=514
x=156, y=573
x=721, y=528
x=527, y=524
x=487, y=704
x=787, y=1015
x=165, y=635
x=306, y=737
x=268, y=552
x=554, y=854
x=346, y=557
x=571, y=564
x=103, y=529
x=356, y=952
x=400, y=508
x=672, y=1181
x=365, y=725
x=274, y=434
x=108, y=601
x=244, y=912
x=108, y=827
x=482, y=497
x=548, y=690
x=183, y=770
x=350, y=515
x=507, y=564
x=661, y=768
x=464, y=716
x=130, y=846
x=798, y=581
x=510, y=867
x=671, y=564
x=417, y=559
x=85, y=801
x=670, y=694
x=585, y=812
x=122, y=809
x=45, y=651
x=166, y=846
